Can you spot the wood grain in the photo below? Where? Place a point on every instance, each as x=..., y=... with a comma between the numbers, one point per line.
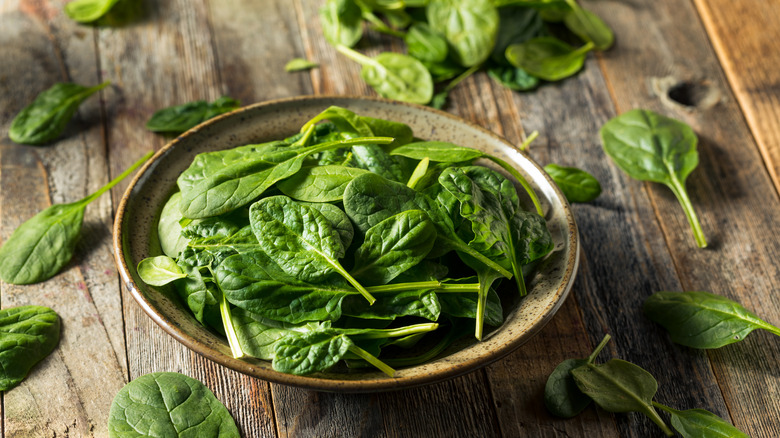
x=731, y=191
x=746, y=39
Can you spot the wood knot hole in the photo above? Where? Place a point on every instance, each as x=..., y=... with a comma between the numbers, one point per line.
x=688, y=95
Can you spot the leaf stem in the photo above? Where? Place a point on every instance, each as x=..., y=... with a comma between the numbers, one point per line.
x=436, y=286
x=356, y=56
x=380, y=26
x=227, y=321
x=528, y=140
x=523, y=182
x=116, y=180
x=663, y=425
x=599, y=347
x=462, y=247
x=682, y=195
x=368, y=357
x=396, y=332
x=354, y=283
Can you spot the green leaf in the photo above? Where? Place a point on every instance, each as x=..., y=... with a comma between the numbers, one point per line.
x=465, y=305
x=699, y=423
x=620, y=386
x=27, y=335
x=169, y=229
x=44, y=244
x=169, y=405
x=548, y=58
x=311, y=352
x=159, y=270
x=300, y=64
x=702, y=319
x=258, y=336
x=319, y=183
x=88, y=11
x=513, y=78
x=470, y=27
x=221, y=181
x=393, y=246
x=588, y=26
x=425, y=44
x=300, y=239
x=576, y=184
x=44, y=120
x=342, y=22
x=562, y=397
x=420, y=303
x=179, y=118
x=438, y=151
x=652, y=147
x=517, y=24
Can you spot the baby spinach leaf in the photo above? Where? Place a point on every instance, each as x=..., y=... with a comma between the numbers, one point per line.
x=486, y=277
x=169, y=230
x=517, y=24
x=179, y=118
x=170, y=405
x=548, y=58
x=338, y=219
x=425, y=44
x=394, y=75
x=319, y=183
x=470, y=27
x=44, y=244
x=258, y=336
x=652, y=147
x=342, y=22
x=588, y=26
x=27, y=335
x=44, y=120
x=421, y=303
x=159, y=270
x=562, y=397
x=310, y=352
x=464, y=305
x=576, y=184
x=513, y=78
x=88, y=11
x=696, y=423
x=218, y=182
x=620, y=386
x=300, y=239
x=300, y=64
x=702, y=319
x=393, y=246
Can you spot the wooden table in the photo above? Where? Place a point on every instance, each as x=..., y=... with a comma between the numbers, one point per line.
x=712, y=63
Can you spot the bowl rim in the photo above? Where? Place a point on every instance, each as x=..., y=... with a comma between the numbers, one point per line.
x=329, y=384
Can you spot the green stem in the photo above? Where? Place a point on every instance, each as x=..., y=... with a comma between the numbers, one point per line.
x=356, y=56
x=368, y=357
x=528, y=140
x=116, y=180
x=307, y=134
x=462, y=247
x=523, y=182
x=380, y=26
x=436, y=286
x=354, y=283
x=599, y=347
x=428, y=355
x=668, y=410
x=227, y=322
x=419, y=172
x=458, y=79
x=682, y=196
x=396, y=332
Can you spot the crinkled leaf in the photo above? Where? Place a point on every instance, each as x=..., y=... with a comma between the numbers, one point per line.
x=258, y=336
x=319, y=183
x=420, y=303
x=311, y=352
x=27, y=335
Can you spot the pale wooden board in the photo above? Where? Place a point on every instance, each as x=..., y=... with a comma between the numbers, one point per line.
x=731, y=191
x=71, y=390
x=746, y=38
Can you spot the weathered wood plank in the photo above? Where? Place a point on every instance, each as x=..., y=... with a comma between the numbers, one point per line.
x=746, y=37
x=731, y=191
x=71, y=390
x=168, y=58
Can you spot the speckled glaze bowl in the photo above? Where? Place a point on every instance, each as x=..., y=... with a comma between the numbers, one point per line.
x=135, y=237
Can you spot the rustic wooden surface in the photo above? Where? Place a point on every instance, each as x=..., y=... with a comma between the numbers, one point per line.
x=711, y=63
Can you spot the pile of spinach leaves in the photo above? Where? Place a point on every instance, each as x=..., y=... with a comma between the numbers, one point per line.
x=339, y=243
x=518, y=42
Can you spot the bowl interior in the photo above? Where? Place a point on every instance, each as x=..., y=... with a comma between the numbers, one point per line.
x=135, y=238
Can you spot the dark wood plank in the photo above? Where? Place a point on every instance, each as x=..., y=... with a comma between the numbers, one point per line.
x=71, y=390
x=746, y=38
x=731, y=190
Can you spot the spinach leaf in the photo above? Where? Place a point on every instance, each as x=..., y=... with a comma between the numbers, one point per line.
x=319, y=183
x=169, y=229
x=170, y=405
x=44, y=120
x=159, y=270
x=300, y=64
x=702, y=319
x=576, y=184
x=420, y=303
x=652, y=147
x=394, y=75
x=470, y=27
x=300, y=239
x=88, y=11
x=517, y=24
x=258, y=336
x=44, y=244
x=562, y=397
x=695, y=423
x=425, y=44
x=513, y=78
x=179, y=118
x=342, y=22
x=548, y=58
x=588, y=26
x=620, y=386
x=338, y=219
x=393, y=246
x=218, y=182
x=27, y=335
x=465, y=305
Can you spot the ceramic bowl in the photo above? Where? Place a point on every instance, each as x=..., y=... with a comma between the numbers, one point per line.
x=135, y=239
